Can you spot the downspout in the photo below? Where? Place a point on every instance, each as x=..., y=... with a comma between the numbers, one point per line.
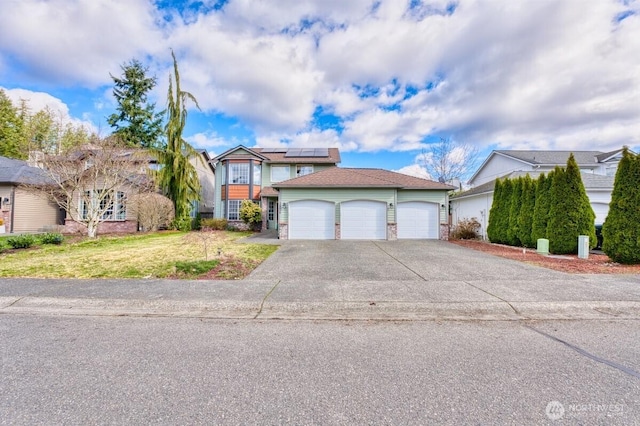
x=13, y=208
x=251, y=179
x=226, y=190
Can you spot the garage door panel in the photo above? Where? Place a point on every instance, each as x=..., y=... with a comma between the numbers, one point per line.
x=363, y=220
x=311, y=220
x=417, y=220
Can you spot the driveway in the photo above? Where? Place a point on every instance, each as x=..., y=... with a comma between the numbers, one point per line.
x=403, y=260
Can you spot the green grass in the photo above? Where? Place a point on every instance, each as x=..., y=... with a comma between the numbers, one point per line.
x=133, y=256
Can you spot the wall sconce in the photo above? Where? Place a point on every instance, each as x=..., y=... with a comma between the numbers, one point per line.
x=6, y=201
x=442, y=206
x=284, y=206
x=390, y=205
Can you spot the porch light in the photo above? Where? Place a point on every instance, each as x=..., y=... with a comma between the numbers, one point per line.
x=284, y=206
x=390, y=205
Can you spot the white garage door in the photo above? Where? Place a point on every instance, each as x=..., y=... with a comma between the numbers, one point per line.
x=363, y=220
x=312, y=220
x=417, y=219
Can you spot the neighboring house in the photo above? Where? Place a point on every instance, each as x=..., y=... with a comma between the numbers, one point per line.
x=22, y=211
x=206, y=174
x=598, y=172
x=305, y=196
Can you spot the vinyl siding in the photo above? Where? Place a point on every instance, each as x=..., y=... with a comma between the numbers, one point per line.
x=336, y=195
x=32, y=213
x=266, y=170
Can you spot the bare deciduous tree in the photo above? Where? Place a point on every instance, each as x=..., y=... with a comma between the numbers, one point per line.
x=446, y=160
x=153, y=210
x=92, y=183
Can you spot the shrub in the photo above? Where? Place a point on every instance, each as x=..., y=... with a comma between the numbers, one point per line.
x=250, y=213
x=182, y=224
x=213, y=224
x=154, y=211
x=514, y=212
x=525, y=219
x=467, y=229
x=570, y=212
x=620, y=231
x=51, y=238
x=21, y=241
x=541, y=208
x=3, y=245
x=493, y=232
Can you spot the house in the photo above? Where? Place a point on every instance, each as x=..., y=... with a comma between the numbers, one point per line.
x=598, y=172
x=22, y=211
x=305, y=195
x=206, y=176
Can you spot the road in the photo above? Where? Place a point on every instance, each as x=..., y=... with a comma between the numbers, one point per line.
x=136, y=370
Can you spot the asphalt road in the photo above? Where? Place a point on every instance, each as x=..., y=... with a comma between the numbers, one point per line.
x=127, y=370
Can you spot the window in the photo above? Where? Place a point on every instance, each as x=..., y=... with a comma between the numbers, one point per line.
x=272, y=210
x=234, y=209
x=111, y=204
x=239, y=173
x=280, y=173
x=305, y=169
x=257, y=174
x=611, y=170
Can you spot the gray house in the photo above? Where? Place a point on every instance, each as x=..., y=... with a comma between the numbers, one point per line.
x=598, y=172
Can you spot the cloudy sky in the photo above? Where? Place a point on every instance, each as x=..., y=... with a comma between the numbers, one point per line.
x=380, y=79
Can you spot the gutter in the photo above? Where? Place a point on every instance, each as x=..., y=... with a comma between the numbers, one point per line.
x=13, y=208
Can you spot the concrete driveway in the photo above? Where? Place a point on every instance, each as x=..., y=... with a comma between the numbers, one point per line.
x=405, y=260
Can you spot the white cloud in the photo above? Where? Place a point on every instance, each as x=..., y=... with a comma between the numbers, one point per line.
x=515, y=74
x=415, y=170
x=37, y=101
x=206, y=140
x=71, y=42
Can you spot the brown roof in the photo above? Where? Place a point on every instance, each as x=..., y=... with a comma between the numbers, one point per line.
x=279, y=157
x=268, y=191
x=360, y=178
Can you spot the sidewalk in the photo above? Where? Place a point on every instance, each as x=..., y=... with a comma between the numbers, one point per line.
x=577, y=297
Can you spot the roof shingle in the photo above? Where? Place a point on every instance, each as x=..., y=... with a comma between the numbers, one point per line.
x=360, y=178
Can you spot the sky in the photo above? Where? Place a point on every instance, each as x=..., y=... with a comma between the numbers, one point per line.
x=380, y=79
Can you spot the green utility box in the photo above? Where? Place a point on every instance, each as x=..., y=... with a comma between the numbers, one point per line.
x=543, y=246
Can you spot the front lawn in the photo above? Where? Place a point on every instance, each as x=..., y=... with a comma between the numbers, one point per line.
x=153, y=255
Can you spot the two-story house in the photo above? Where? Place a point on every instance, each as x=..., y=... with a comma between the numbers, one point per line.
x=598, y=171
x=304, y=195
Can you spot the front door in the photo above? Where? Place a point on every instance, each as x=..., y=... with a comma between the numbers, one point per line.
x=272, y=213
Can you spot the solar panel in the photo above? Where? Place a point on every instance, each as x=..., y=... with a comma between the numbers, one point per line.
x=274, y=150
x=307, y=152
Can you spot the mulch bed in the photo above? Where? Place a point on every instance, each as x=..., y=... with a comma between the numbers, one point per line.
x=595, y=264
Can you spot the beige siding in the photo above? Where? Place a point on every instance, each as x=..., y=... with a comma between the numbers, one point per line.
x=33, y=213
x=438, y=197
x=207, y=184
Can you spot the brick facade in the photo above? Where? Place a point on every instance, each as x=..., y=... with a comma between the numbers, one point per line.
x=5, y=214
x=444, y=231
x=392, y=231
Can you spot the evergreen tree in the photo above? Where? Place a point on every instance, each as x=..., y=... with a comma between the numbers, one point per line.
x=503, y=214
x=525, y=219
x=492, y=228
x=570, y=213
x=178, y=177
x=541, y=209
x=621, y=229
x=136, y=122
x=514, y=213
x=11, y=138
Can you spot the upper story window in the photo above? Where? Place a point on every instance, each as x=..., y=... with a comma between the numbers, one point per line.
x=304, y=169
x=257, y=174
x=239, y=173
x=280, y=173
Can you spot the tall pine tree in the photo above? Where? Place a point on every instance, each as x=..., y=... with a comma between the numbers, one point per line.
x=136, y=121
x=11, y=129
x=621, y=229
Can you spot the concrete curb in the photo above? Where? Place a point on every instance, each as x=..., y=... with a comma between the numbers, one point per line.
x=231, y=309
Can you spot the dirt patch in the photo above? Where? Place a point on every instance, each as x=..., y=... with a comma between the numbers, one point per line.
x=595, y=264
